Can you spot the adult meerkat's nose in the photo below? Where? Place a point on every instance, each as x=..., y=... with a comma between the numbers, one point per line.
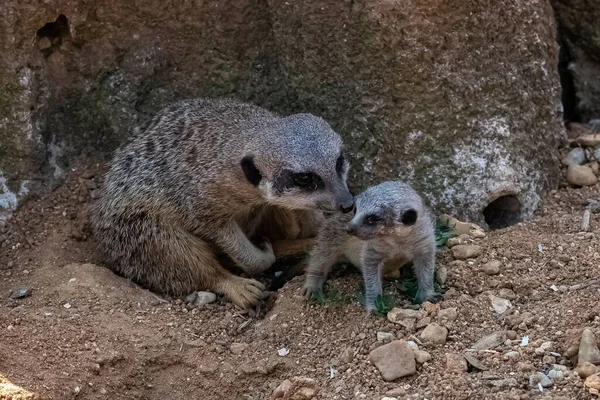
x=345, y=200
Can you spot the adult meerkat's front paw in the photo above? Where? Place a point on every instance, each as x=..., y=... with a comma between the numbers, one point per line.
x=243, y=292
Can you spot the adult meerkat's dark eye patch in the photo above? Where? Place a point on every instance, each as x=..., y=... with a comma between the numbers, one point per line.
x=250, y=171
x=409, y=217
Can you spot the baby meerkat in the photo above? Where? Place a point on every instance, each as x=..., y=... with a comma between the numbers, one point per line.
x=391, y=227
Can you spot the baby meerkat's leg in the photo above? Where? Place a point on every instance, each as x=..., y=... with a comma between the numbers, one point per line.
x=424, y=268
x=234, y=242
x=372, y=269
x=321, y=261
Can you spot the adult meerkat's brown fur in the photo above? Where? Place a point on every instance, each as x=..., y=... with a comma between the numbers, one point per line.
x=195, y=185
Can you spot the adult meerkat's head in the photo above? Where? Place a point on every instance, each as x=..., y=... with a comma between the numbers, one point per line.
x=390, y=208
x=298, y=162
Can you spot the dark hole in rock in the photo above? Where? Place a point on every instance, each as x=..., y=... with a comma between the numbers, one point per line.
x=52, y=34
x=567, y=83
x=503, y=212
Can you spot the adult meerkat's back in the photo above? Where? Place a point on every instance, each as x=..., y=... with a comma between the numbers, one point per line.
x=180, y=193
x=391, y=224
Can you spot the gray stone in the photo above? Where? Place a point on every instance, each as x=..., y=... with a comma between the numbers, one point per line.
x=490, y=341
x=20, y=294
x=394, y=360
x=499, y=304
x=556, y=375
x=203, y=298
x=385, y=336
x=575, y=156
x=540, y=378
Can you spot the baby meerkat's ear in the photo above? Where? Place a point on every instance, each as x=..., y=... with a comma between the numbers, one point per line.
x=250, y=171
x=409, y=217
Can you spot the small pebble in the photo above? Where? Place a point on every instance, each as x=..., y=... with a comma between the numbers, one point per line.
x=238, y=348
x=581, y=175
x=592, y=382
x=421, y=356
x=540, y=378
x=20, y=294
x=492, y=267
x=575, y=156
x=447, y=314
x=499, y=304
x=586, y=369
x=434, y=333
x=385, y=336
x=203, y=298
x=465, y=251
x=394, y=360
x=456, y=363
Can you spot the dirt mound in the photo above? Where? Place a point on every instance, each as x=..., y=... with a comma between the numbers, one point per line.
x=82, y=332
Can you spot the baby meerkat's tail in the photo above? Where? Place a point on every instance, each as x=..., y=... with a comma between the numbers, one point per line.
x=157, y=253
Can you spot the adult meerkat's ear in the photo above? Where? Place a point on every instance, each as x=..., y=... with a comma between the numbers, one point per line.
x=250, y=171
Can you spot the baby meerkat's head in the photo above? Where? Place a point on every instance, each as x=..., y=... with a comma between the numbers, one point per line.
x=388, y=209
x=299, y=163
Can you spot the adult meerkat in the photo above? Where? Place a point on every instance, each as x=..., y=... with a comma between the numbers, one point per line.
x=184, y=191
x=390, y=228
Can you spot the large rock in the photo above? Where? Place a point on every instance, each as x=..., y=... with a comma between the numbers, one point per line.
x=420, y=91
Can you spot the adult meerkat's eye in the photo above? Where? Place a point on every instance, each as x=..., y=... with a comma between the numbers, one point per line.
x=372, y=219
x=302, y=180
x=307, y=180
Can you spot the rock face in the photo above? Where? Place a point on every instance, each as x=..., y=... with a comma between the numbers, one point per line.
x=391, y=77
x=578, y=29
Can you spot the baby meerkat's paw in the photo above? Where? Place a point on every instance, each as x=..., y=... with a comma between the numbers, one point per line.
x=312, y=286
x=429, y=296
x=243, y=292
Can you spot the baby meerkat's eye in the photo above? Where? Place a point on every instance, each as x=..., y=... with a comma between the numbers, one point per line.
x=372, y=219
x=409, y=217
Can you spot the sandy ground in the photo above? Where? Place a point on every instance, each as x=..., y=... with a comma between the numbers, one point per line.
x=83, y=332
